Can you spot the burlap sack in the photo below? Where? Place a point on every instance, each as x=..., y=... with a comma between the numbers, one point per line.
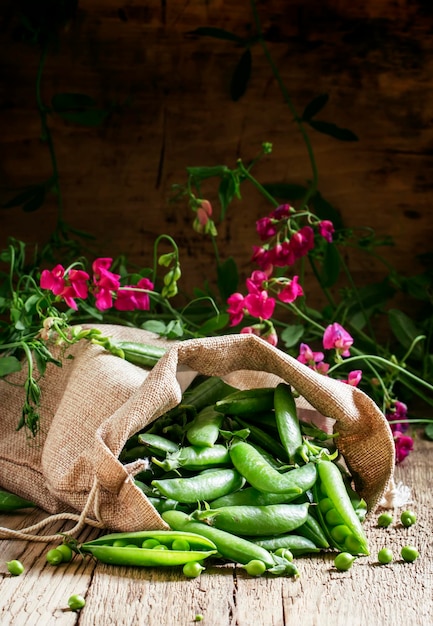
x=96, y=401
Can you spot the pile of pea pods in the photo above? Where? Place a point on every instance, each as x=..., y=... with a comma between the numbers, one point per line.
x=239, y=469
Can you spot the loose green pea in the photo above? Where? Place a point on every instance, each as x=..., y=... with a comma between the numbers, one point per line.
x=149, y=543
x=344, y=561
x=198, y=618
x=54, y=557
x=181, y=544
x=192, y=569
x=66, y=552
x=76, y=602
x=385, y=556
x=15, y=567
x=408, y=518
x=255, y=567
x=409, y=554
x=384, y=520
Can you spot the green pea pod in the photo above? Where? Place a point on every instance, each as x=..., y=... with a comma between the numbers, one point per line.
x=287, y=420
x=196, y=458
x=272, y=519
x=204, y=430
x=230, y=546
x=157, y=445
x=246, y=401
x=207, y=392
x=335, y=510
x=207, y=485
x=312, y=530
x=297, y=544
x=254, y=497
x=259, y=474
x=139, y=353
x=11, y=502
x=104, y=550
x=261, y=438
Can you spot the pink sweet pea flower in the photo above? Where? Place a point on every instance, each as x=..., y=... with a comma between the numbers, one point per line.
x=354, y=378
x=255, y=282
x=105, y=282
x=78, y=280
x=336, y=337
x=398, y=414
x=260, y=305
x=282, y=254
x=326, y=230
x=307, y=356
x=236, y=308
x=302, y=242
x=281, y=211
x=403, y=446
x=130, y=298
x=53, y=280
x=270, y=336
x=265, y=228
x=291, y=291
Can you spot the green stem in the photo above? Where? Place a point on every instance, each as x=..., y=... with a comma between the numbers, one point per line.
x=313, y=187
x=256, y=183
x=386, y=363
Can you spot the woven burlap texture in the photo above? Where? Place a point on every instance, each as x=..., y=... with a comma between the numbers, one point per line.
x=96, y=401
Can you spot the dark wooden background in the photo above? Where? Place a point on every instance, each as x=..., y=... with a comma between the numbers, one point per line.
x=373, y=57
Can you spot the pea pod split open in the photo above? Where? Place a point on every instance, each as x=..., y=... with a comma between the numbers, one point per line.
x=126, y=548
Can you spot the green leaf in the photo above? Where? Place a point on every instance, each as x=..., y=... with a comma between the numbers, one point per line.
x=214, y=323
x=327, y=128
x=285, y=191
x=314, y=107
x=41, y=362
x=91, y=117
x=292, y=335
x=405, y=331
x=24, y=196
x=207, y=171
x=62, y=102
x=326, y=211
x=217, y=33
x=8, y=365
x=227, y=278
x=154, y=326
x=174, y=330
x=428, y=431
x=241, y=76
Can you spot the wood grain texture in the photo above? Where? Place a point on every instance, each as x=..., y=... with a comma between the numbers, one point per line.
x=369, y=593
x=374, y=58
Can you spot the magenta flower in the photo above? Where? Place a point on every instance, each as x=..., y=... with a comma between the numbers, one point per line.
x=255, y=281
x=266, y=228
x=282, y=254
x=106, y=283
x=53, y=280
x=354, y=378
x=302, y=242
x=260, y=305
x=398, y=414
x=236, y=308
x=335, y=337
x=78, y=280
x=403, y=446
x=307, y=356
x=281, y=212
x=326, y=230
x=270, y=335
x=130, y=298
x=314, y=360
x=291, y=291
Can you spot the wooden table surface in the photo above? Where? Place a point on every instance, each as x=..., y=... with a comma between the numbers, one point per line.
x=368, y=594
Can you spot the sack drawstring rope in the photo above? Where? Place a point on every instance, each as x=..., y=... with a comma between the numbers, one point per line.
x=82, y=520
